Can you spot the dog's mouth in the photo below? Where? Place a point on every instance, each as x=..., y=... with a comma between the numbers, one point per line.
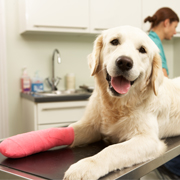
x=119, y=85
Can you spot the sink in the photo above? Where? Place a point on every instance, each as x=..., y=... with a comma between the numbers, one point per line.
x=61, y=93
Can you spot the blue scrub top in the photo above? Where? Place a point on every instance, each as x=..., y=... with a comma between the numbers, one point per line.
x=158, y=42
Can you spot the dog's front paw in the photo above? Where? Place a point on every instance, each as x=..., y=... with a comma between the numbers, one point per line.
x=85, y=169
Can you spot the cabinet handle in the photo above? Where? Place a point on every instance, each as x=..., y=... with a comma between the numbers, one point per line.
x=61, y=108
x=56, y=26
x=100, y=29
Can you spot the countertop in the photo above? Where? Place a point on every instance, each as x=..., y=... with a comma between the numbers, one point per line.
x=56, y=98
x=53, y=163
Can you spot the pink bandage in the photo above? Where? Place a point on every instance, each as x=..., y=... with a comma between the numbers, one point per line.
x=36, y=141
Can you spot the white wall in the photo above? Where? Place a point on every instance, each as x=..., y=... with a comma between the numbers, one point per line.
x=4, y=124
x=35, y=52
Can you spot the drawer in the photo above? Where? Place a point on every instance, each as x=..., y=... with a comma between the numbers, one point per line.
x=46, y=126
x=63, y=112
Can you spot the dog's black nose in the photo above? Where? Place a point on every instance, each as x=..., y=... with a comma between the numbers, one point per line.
x=124, y=63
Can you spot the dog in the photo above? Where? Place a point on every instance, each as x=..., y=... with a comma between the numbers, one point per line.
x=133, y=105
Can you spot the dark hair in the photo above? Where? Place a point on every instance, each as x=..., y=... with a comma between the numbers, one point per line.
x=161, y=15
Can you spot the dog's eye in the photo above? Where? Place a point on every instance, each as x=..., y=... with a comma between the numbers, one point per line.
x=142, y=50
x=115, y=42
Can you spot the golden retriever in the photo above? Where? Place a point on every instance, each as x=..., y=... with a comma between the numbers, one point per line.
x=133, y=105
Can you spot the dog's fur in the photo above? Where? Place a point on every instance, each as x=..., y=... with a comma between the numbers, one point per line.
x=134, y=121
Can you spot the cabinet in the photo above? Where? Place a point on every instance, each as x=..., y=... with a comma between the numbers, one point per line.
x=77, y=16
x=87, y=16
x=37, y=116
x=54, y=16
x=106, y=14
x=150, y=7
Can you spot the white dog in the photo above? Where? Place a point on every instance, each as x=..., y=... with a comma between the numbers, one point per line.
x=133, y=105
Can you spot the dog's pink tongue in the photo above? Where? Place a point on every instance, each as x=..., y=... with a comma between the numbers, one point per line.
x=120, y=84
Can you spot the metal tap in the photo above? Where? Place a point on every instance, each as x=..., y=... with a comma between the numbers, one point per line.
x=53, y=72
x=54, y=82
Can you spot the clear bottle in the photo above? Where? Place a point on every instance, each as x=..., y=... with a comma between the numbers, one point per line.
x=25, y=81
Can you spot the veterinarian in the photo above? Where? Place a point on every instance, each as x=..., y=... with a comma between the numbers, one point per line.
x=163, y=26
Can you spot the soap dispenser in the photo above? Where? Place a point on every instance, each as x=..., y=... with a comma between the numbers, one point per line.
x=25, y=81
x=37, y=83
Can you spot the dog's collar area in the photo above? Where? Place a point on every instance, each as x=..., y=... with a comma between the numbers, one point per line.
x=115, y=93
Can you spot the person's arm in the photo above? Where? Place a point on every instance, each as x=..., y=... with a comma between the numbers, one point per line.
x=157, y=41
x=165, y=72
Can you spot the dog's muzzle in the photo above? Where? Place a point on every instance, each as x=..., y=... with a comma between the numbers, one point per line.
x=119, y=85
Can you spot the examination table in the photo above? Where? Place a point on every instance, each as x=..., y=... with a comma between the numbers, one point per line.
x=53, y=163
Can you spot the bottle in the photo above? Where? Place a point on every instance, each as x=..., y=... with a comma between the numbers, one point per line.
x=25, y=82
x=70, y=81
x=37, y=83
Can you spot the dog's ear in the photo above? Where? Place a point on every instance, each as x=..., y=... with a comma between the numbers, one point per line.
x=157, y=73
x=94, y=57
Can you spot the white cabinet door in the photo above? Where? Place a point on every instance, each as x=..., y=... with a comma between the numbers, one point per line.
x=54, y=15
x=150, y=7
x=106, y=14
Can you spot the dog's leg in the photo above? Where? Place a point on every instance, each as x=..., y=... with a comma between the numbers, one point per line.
x=136, y=150
x=85, y=133
x=87, y=130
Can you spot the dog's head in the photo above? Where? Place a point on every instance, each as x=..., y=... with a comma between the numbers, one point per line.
x=127, y=58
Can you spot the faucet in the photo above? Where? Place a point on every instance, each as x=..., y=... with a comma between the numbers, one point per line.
x=54, y=81
x=53, y=72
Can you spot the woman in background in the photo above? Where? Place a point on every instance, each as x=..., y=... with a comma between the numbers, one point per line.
x=163, y=26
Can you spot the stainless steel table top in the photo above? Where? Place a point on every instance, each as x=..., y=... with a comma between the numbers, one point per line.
x=53, y=163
